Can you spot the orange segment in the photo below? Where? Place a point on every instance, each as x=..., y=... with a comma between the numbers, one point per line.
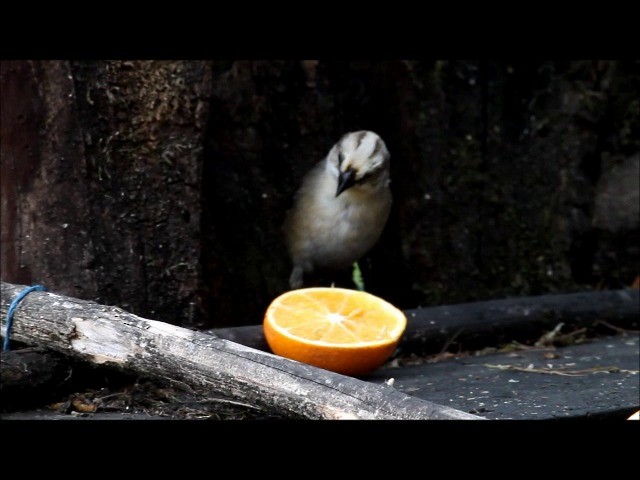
x=346, y=331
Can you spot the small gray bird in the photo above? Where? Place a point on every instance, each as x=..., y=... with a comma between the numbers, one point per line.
x=341, y=208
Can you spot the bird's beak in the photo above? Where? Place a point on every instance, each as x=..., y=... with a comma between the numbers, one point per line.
x=345, y=180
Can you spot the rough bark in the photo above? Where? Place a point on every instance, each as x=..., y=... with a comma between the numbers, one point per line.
x=45, y=216
x=143, y=126
x=101, y=169
x=111, y=336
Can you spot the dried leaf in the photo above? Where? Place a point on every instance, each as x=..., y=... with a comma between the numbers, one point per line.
x=79, y=405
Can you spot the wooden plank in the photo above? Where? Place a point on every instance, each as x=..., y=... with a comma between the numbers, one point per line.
x=597, y=378
x=111, y=336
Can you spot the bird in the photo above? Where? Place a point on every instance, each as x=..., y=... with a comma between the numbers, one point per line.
x=341, y=207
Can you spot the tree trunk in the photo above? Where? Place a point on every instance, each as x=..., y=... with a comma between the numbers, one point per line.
x=101, y=171
x=46, y=219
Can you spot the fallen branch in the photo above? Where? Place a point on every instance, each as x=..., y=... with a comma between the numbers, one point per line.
x=111, y=336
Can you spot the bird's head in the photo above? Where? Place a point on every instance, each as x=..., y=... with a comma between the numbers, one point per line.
x=359, y=159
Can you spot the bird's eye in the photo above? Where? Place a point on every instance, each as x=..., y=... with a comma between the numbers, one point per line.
x=340, y=158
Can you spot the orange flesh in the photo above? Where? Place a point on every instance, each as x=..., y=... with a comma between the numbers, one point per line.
x=346, y=331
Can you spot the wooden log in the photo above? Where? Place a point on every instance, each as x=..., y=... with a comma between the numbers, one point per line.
x=28, y=368
x=489, y=323
x=111, y=336
x=29, y=375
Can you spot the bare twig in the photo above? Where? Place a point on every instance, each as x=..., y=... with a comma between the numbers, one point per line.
x=561, y=371
x=616, y=329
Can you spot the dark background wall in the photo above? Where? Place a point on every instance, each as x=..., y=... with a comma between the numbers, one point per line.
x=161, y=186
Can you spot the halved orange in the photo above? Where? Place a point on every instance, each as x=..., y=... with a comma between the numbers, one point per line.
x=345, y=331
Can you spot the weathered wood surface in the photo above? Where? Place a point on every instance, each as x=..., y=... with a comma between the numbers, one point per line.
x=509, y=177
x=30, y=373
x=27, y=367
x=111, y=336
x=478, y=324
x=595, y=379
x=133, y=131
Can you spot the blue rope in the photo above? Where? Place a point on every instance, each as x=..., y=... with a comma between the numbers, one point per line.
x=12, y=307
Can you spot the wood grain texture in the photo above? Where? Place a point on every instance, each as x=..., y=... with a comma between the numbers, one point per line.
x=111, y=336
